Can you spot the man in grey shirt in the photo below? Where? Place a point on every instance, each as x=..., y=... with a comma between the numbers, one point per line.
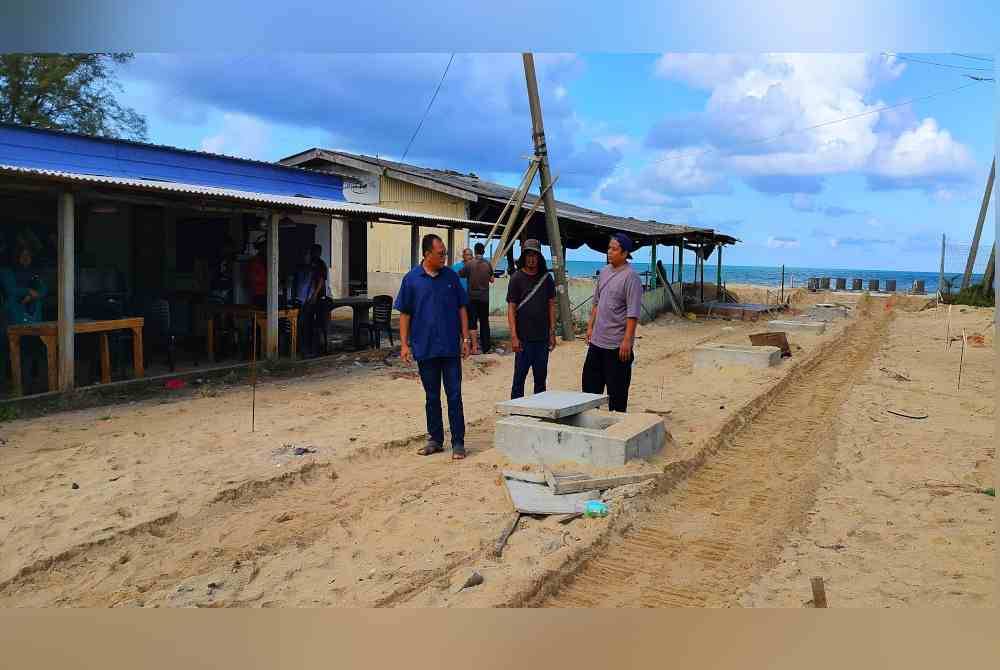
x=479, y=274
x=611, y=329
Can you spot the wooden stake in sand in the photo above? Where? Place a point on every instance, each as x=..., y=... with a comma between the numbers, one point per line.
x=819, y=592
x=961, y=360
x=253, y=374
x=948, y=335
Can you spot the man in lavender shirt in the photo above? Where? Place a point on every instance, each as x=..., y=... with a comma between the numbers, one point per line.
x=611, y=329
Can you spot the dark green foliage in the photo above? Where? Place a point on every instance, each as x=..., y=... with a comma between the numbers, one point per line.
x=71, y=92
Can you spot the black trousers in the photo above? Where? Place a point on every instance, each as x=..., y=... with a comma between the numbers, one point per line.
x=603, y=369
x=479, y=317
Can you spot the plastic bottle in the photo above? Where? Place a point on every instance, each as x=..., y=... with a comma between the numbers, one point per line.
x=593, y=509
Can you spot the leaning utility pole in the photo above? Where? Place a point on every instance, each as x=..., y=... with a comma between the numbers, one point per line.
x=967, y=276
x=549, y=200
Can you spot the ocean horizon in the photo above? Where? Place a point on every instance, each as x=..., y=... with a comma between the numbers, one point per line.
x=794, y=276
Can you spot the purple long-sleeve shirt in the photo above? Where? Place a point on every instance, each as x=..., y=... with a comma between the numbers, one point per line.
x=618, y=296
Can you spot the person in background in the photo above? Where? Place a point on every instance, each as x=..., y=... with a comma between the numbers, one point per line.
x=531, y=315
x=434, y=331
x=457, y=267
x=24, y=292
x=256, y=274
x=221, y=282
x=480, y=275
x=612, y=325
x=302, y=288
x=318, y=311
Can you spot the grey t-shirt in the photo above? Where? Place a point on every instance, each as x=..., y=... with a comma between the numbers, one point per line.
x=618, y=296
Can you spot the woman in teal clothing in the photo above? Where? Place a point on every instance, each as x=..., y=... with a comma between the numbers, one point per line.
x=23, y=293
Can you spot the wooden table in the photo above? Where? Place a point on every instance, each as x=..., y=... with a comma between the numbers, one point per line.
x=210, y=311
x=48, y=332
x=361, y=305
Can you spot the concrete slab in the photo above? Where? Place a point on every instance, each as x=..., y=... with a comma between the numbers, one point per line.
x=595, y=437
x=827, y=312
x=531, y=498
x=726, y=355
x=552, y=404
x=813, y=327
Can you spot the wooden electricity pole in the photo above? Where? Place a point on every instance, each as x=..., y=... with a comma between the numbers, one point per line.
x=967, y=277
x=549, y=200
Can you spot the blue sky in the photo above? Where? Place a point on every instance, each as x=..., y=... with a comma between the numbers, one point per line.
x=707, y=139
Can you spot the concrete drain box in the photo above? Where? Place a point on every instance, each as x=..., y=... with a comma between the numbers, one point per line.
x=814, y=327
x=561, y=426
x=727, y=355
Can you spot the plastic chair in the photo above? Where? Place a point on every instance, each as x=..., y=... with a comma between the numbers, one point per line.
x=381, y=320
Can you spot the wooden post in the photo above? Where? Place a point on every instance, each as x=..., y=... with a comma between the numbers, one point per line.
x=680, y=269
x=551, y=220
x=990, y=273
x=967, y=276
x=782, y=283
x=451, y=246
x=941, y=270
x=701, y=257
x=414, y=246
x=272, y=287
x=340, y=245
x=66, y=290
x=718, y=274
x=652, y=264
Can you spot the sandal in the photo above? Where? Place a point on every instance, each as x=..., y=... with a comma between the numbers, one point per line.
x=429, y=449
x=457, y=455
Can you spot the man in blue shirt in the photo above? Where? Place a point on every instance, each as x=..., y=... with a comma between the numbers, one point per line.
x=434, y=330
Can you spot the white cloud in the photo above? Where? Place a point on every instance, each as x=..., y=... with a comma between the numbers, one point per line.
x=773, y=97
x=926, y=150
x=782, y=243
x=241, y=135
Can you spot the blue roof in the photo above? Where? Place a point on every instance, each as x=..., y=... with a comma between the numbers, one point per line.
x=68, y=152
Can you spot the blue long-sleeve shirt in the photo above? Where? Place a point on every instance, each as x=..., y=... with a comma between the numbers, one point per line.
x=15, y=284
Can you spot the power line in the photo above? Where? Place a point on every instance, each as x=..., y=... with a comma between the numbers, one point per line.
x=975, y=78
x=818, y=125
x=429, y=105
x=955, y=53
x=944, y=65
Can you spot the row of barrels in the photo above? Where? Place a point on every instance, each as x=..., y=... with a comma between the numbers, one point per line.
x=840, y=284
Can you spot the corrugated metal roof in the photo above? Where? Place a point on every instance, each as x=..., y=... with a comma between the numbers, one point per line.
x=499, y=193
x=371, y=212
x=80, y=154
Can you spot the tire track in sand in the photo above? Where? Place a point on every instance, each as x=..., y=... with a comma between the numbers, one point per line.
x=704, y=542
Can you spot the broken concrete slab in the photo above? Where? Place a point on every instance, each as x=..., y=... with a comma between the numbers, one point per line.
x=552, y=404
x=530, y=498
x=727, y=355
x=594, y=437
x=812, y=327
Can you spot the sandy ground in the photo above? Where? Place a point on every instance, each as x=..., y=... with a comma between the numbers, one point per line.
x=177, y=503
x=900, y=520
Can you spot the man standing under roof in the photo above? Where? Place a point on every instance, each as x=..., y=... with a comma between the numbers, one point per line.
x=611, y=329
x=434, y=331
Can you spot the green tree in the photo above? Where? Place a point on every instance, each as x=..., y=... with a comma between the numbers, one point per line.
x=72, y=92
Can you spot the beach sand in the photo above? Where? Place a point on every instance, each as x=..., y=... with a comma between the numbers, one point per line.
x=177, y=503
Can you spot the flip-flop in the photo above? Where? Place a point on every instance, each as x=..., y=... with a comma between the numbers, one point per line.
x=429, y=449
